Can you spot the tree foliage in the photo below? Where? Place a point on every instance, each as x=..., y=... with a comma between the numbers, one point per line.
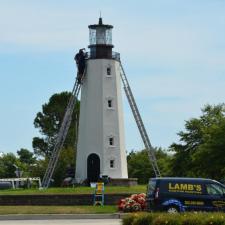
x=49, y=121
x=7, y=168
x=32, y=167
x=140, y=167
x=25, y=156
x=25, y=162
x=66, y=159
x=201, y=151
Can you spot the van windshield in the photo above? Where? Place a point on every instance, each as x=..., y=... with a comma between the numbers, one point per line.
x=151, y=187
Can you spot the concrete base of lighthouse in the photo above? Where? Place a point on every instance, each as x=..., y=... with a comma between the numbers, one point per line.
x=128, y=182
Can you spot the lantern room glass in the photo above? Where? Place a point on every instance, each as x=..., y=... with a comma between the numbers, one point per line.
x=100, y=36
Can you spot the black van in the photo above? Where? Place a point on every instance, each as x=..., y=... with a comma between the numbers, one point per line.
x=185, y=194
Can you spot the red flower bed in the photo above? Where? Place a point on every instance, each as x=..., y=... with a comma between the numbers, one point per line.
x=134, y=203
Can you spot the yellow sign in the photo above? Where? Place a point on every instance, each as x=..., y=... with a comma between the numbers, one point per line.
x=186, y=188
x=99, y=188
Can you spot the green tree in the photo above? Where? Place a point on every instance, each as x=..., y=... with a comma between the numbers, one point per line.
x=66, y=158
x=49, y=121
x=7, y=168
x=202, y=145
x=25, y=156
x=140, y=167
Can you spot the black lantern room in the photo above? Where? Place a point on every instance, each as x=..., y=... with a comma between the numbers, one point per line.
x=100, y=36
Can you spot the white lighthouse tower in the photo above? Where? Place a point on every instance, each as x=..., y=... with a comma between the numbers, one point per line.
x=101, y=143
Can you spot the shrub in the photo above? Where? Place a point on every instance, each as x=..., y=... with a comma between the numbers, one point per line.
x=175, y=219
x=144, y=219
x=128, y=220
x=167, y=219
x=214, y=219
x=191, y=218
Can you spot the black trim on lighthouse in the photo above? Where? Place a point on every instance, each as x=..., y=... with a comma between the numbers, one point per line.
x=100, y=36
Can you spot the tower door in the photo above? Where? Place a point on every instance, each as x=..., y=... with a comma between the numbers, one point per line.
x=93, y=167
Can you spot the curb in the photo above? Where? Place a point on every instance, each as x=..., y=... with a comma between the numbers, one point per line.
x=59, y=216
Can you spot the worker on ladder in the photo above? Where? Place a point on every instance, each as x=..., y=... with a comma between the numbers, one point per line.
x=80, y=61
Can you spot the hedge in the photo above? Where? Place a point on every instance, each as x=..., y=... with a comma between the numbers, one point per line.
x=174, y=219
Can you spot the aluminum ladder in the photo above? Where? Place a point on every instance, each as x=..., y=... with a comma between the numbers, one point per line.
x=61, y=135
x=139, y=122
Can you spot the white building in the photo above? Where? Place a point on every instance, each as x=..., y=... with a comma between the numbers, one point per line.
x=101, y=143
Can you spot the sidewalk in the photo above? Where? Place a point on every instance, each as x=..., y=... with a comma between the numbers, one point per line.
x=60, y=216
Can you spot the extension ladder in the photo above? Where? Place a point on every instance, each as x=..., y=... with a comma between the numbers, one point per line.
x=61, y=135
x=139, y=122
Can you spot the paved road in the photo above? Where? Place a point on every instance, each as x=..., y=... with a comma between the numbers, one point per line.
x=64, y=222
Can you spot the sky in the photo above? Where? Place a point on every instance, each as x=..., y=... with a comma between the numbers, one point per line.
x=173, y=52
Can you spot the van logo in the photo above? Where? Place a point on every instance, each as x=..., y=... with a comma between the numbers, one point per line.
x=187, y=188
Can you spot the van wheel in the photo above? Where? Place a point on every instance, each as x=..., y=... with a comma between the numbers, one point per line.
x=172, y=209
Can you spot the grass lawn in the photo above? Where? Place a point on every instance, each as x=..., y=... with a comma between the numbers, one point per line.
x=75, y=190
x=57, y=209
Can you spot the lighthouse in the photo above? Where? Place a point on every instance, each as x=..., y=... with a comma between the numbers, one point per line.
x=101, y=140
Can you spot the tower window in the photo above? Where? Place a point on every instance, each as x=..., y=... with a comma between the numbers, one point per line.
x=112, y=163
x=110, y=103
x=111, y=141
x=108, y=71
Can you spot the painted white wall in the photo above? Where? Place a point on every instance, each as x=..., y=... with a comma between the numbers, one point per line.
x=98, y=122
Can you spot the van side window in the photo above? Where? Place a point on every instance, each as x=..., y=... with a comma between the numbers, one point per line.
x=214, y=189
x=151, y=187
